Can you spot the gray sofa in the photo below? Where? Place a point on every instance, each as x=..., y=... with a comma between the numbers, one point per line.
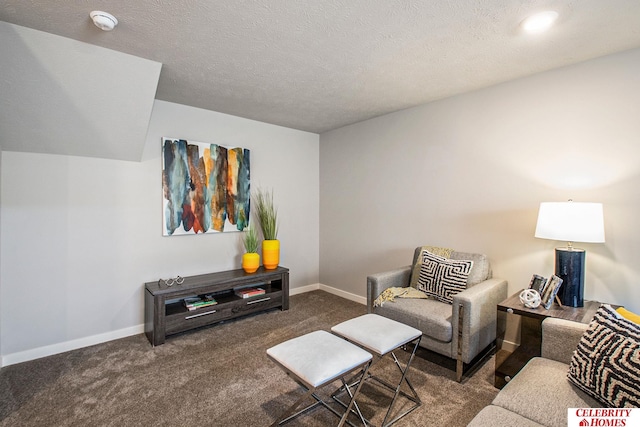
x=461, y=330
x=540, y=394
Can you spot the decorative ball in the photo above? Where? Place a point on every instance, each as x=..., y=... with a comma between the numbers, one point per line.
x=530, y=298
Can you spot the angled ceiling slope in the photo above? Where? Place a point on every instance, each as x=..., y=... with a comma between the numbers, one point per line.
x=320, y=65
x=62, y=96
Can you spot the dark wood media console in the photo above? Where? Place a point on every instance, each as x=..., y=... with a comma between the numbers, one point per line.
x=165, y=313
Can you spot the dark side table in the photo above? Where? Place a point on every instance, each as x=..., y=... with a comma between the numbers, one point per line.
x=509, y=363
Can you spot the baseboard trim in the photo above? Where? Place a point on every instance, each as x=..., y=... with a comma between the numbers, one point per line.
x=331, y=290
x=346, y=295
x=303, y=289
x=50, y=350
x=509, y=346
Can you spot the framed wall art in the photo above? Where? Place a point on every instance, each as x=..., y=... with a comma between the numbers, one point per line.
x=205, y=187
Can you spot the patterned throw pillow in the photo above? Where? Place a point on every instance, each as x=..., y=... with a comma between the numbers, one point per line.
x=606, y=364
x=443, y=278
x=435, y=250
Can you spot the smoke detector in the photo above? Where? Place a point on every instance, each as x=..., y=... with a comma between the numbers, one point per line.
x=103, y=20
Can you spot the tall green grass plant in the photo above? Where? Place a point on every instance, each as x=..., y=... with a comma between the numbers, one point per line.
x=267, y=214
x=251, y=240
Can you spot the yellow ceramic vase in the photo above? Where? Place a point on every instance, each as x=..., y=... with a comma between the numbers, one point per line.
x=270, y=254
x=250, y=262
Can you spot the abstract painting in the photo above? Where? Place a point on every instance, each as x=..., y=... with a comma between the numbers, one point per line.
x=205, y=187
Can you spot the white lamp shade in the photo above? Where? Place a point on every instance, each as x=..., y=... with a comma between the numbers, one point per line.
x=571, y=222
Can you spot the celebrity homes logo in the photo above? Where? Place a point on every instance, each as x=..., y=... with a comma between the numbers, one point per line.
x=601, y=417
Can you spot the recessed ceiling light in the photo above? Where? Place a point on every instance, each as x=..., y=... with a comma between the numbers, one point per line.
x=539, y=22
x=103, y=20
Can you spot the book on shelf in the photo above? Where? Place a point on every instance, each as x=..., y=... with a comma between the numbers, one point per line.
x=193, y=303
x=249, y=292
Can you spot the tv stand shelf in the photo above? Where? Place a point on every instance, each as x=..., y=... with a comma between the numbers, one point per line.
x=165, y=313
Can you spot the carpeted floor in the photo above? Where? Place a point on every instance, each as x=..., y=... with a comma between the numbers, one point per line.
x=219, y=376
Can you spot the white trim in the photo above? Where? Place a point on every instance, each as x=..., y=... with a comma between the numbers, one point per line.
x=346, y=295
x=331, y=290
x=49, y=350
x=303, y=289
x=509, y=346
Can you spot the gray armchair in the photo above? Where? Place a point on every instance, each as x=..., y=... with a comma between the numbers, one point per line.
x=461, y=330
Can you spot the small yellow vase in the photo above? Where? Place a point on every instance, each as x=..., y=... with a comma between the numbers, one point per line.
x=250, y=262
x=270, y=254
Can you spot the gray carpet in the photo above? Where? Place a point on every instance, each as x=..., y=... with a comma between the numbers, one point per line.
x=219, y=376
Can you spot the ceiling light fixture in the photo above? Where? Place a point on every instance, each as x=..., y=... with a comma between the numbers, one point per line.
x=539, y=22
x=103, y=20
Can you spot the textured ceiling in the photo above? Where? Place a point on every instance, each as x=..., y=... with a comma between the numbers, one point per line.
x=320, y=65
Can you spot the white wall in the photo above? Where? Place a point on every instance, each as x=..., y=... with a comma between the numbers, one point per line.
x=81, y=236
x=469, y=173
x=1, y=254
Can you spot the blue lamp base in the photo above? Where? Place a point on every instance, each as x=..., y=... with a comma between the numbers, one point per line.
x=570, y=268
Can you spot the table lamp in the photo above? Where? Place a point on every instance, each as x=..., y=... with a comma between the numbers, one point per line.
x=572, y=222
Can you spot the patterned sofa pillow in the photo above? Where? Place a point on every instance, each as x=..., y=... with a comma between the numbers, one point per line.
x=443, y=278
x=606, y=364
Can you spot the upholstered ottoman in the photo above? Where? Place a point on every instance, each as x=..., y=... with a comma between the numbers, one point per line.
x=383, y=336
x=318, y=359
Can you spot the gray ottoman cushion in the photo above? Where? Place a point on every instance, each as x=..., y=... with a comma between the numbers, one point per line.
x=318, y=357
x=376, y=333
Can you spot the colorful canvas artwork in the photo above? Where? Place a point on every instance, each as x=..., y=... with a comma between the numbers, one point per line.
x=205, y=187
